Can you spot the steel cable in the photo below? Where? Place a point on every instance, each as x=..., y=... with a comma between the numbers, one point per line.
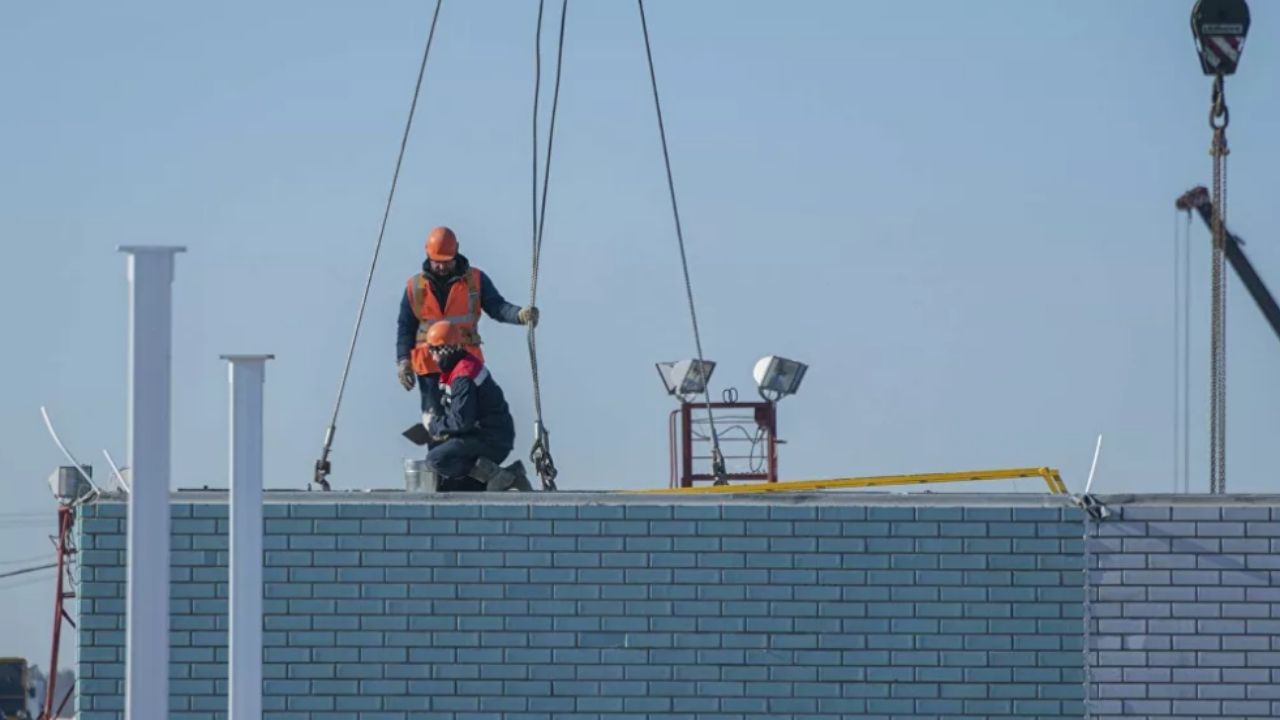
x=1177, y=356
x=1186, y=356
x=718, y=461
x=540, y=454
x=322, y=465
x=26, y=570
x=1181, y=351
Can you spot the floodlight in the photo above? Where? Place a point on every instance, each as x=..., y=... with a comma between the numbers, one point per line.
x=777, y=377
x=70, y=483
x=684, y=378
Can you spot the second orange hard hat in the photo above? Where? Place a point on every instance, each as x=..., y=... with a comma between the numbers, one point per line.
x=443, y=333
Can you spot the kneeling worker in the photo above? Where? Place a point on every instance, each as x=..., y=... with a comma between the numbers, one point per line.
x=473, y=425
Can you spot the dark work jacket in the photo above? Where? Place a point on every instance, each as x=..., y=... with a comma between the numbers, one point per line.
x=473, y=405
x=491, y=301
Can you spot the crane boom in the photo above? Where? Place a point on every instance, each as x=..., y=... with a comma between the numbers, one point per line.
x=1198, y=199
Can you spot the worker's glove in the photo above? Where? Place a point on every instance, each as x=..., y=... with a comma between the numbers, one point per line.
x=429, y=417
x=407, y=376
x=528, y=316
x=432, y=439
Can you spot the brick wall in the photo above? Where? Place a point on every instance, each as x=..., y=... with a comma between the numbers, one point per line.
x=594, y=611
x=1186, y=613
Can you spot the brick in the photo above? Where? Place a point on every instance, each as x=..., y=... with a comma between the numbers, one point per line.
x=1176, y=593
x=1141, y=512
x=915, y=529
x=585, y=543
x=1197, y=513
x=673, y=527
x=946, y=546
x=1237, y=643
x=962, y=530
x=1219, y=529
x=1146, y=545
x=1122, y=528
x=759, y=512
x=1148, y=610
x=1256, y=595
x=1121, y=561
x=1245, y=578
x=1146, y=577
x=894, y=514
x=1260, y=659
x=983, y=514
x=362, y=542
x=1182, y=561
x=1035, y=546
x=1011, y=530
x=1238, y=514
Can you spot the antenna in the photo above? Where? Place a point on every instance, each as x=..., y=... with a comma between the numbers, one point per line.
x=116, y=471
x=1097, y=450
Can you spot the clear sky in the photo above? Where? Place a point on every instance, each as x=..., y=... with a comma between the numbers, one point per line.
x=960, y=214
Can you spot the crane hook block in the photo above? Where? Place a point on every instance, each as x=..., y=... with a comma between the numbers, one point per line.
x=1220, y=27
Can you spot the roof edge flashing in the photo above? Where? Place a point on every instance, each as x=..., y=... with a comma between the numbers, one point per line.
x=622, y=497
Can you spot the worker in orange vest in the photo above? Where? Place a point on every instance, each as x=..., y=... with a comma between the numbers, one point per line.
x=448, y=288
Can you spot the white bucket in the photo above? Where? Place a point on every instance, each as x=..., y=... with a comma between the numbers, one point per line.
x=418, y=477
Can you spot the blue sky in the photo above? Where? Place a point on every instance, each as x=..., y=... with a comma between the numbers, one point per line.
x=960, y=214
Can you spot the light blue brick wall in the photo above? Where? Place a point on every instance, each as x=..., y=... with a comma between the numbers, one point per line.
x=613, y=611
x=1185, y=613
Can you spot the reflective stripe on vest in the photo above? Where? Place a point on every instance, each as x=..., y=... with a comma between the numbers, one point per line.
x=462, y=306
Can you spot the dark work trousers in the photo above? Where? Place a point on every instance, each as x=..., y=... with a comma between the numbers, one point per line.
x=453, y=459
x=429, y=387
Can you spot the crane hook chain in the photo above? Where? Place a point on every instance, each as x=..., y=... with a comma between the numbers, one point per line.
x=1219, y=113
x=1219, y=118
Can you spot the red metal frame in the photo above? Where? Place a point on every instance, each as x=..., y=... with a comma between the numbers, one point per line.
x=765, y=415
x=66, y=521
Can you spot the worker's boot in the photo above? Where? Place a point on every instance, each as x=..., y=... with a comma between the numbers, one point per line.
x=500, y=479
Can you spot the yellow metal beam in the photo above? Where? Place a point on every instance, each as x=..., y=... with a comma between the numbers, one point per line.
x=1052, y=478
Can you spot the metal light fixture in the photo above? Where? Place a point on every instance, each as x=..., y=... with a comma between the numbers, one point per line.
x=71, y=484
x=776, y=377
x=685, y=378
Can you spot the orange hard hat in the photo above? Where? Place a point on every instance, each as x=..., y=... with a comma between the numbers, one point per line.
x=442, y=244
x=443, y=333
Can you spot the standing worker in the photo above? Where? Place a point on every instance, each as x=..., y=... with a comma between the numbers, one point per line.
x=472, y=430
x=448, y=288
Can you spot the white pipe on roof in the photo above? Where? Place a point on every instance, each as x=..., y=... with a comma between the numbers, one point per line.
x=148, y=424
x=246, y=374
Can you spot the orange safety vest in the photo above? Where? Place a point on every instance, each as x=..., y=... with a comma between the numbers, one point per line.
x=462, y=308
